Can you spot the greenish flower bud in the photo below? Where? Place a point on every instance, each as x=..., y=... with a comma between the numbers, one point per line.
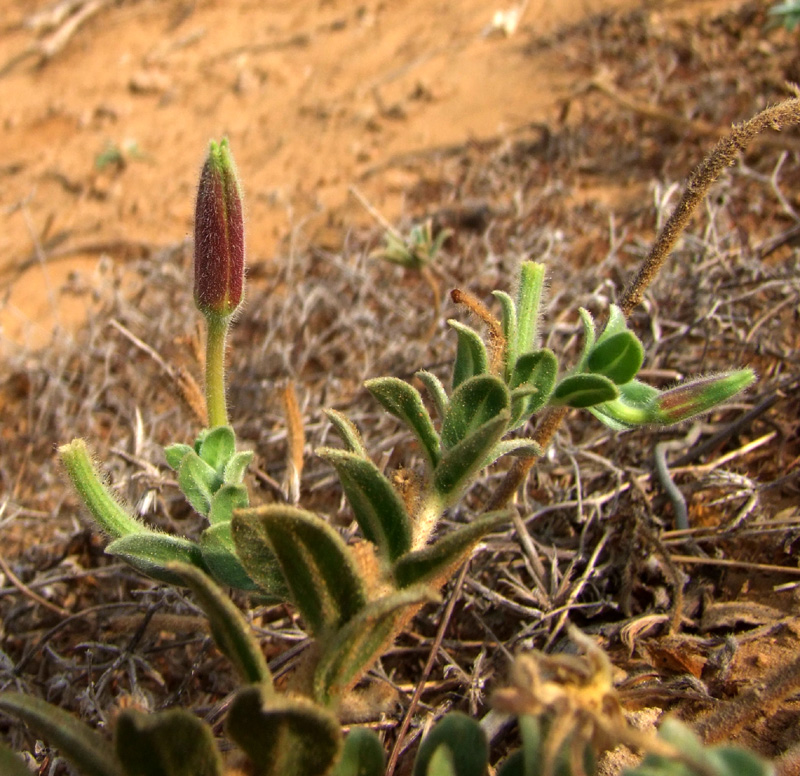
x=218, y=235
x=698, y=396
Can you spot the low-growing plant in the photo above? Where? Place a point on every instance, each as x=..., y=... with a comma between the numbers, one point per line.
x=785, y=15
x=354, y=602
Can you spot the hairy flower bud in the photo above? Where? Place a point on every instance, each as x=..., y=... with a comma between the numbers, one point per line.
x=218, y=235
x=697, y=396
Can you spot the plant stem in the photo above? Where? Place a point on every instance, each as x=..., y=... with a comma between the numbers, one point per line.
x=215, y=370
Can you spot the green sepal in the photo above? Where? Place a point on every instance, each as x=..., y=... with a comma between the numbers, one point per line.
x=536, y=373
x=168, y=743
x=471, y=356
x=225, y=500
x=319, y=570
x=618, y=357
x=283, y=736
x=404, y=402
x=175, y=454
x=151, y=553
x=436, y=391
x=464, y=739
x=509, y=321
x=234, y=471
x=630, y=410
x=460, y=463
x=219, y=555
x=259, y=560
x=436, y=561
x=348, y=432
x=107, y=512
x=217, y=447
x=198, y=481
x=11, y=765
x=228, y=626
x=378, y=508
x=529, y=300
x=86, y=749
x=583, y=390
x=474, y=403
x=362, y=754
x=348, y=654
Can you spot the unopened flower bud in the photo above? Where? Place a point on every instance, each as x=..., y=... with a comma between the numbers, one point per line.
x=698, y=396
x=218, y=235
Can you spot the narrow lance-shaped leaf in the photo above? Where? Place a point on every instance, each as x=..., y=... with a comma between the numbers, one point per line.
x=349, y=653
x=318, y=568
x=537, y=372
x=198, y=481
x=464, y=739
x=405, y=403
x=436, y=561
x=584, y=390
x=234, y=471
x=471, y=356
x=348, y=432
x=168, y=743
x=151, y=553
x=258, y=559
x=230, y=630
x=436, y=391
x=378, y=508
x=509, y=322
x=86, y=749
x=104, y=508
x=529, y=299
x=219, y=556
x=283, y=736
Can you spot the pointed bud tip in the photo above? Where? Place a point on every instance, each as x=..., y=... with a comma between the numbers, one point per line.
x=219, y=235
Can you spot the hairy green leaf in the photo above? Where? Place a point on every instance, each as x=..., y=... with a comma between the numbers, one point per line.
x=584, y=390
x=436, y=391
x=536, y=372
x=438, y=560
x=228, y=626
x=150, y=553
x=284, y=736
x=348, y=433
x=218, y=447
x=509, y=321
x=378, y=508
x=589, y=335
x=168, y=743
x=618, y=357
x=86, y=749
x=463, y=737
x=219, y=555
x=474, y=403
x=362, y=754
x=349, y=653
x=319, y=570
x=404, y=402
x=234, y=471
x=471, y=356
x=198, y=481
x=175, y=454
x=259, y=559
x=225, y=500
x=529, y=300
x=11, y=765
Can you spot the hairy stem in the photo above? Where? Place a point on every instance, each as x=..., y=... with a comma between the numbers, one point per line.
x=215, y=370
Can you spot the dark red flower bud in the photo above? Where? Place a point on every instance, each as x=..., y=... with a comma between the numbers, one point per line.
x=218, y=235
x=698, y=396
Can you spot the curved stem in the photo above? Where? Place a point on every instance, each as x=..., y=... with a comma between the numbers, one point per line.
x=215, y=370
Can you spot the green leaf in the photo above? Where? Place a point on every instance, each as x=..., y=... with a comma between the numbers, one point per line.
x=615, y=324
x=225, y=500
x=228, y=626
x=405, y=403
x=86, y=749
x=362, y=754
x=107, y=512
x=236, y=467
x=471, y=356
x=348, y=432
x=460, y=463
x=349, y=653
x=535, y=372
x=618, y=357
x=169, y=743
x=218, y=447
x=219, y=555
x=283, y=736
x=529, y=300
x=319, y=570
x=589, y=335
x=11, y=765
x=441, y=763
x=438, y=560
x=378, y=508
x=436, y=390
x=584, y=390
x=259, y=559
x=509, y=322
x=151, y=553
x=463, y=737
x=175, y=453
x=522, y=446
x=474, y=403
x=198, y=481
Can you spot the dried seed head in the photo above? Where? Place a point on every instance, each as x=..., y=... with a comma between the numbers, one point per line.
x=218, y=235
